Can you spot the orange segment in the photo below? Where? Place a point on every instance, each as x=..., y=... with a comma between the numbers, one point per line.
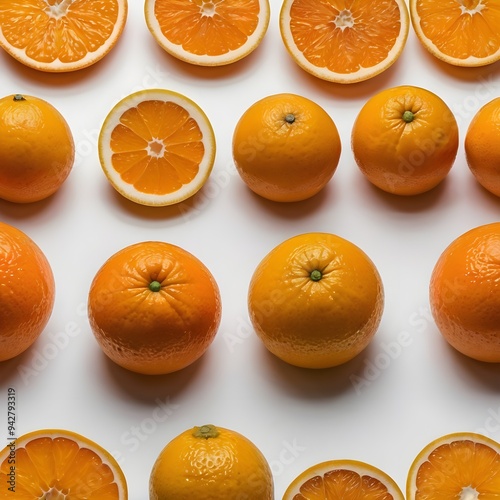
x=52, y=463
x=459, y=32
x=343, y=480
x=60, y=35
x=157, y=147
x=457, y=466
x=208, y=32
x=344, y=41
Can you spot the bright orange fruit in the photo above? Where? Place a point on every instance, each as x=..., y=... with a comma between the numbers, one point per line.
x=157, y=147
x=316, y=300
x=60, y=35
x=405, y=140
x=286, y=147
x=27, y=291
x=154, y=308
x=459, y=32
x=458, y=466
x=36, y=148
x=210, y=462
x=465, y=293
x=343, y=480
x=55, y=464
x=482, y=146
x=208, y=32
x=344, y=42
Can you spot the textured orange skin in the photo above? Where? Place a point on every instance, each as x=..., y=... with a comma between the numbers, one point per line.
x=316, y=324
x=53, y=452
x=465, y=293
x=36, y=149
x=399, y=157
x=284, y=161
x=482, y=146
x=227, y=466
x=154, y=332
x=27, y=291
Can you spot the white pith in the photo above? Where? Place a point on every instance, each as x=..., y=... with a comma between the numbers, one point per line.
x=208, y=60
x=344, y=19
x=106, y=153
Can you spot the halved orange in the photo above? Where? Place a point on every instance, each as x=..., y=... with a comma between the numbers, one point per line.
x=60, y=35
x=459, y=32
x=56, y=464
x=208, y=32
x=157, y=147
x=458, y=466
x=343, y=480
x=341, y=41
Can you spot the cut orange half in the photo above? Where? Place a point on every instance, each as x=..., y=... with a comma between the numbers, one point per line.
x=56, y=464
x=459, y=466
x=157, y=147
x=459, y=32
x=343, y=480
x=60, y=35
x=341, y=41
x=208, y=32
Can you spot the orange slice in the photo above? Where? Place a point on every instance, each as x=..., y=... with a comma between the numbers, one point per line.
x=459, y=466
x=343, y=480
x=341, y=41
x=208, y=32
x=459, y=32
x=60, y=35
x=56, y=464
x=157, y=147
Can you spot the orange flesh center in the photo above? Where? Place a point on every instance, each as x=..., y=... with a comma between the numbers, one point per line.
x=56, y=468
x=213, y=27
x=463, y=470
x=157, y=147
x=343, y=484
x=64, y=30
x=341, y=39
x=461, y=28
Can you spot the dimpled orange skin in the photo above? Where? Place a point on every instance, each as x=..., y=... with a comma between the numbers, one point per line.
x=482, y=146
x=27, y=291
x=154, y=331
x=316, y=324
x=286, y=148
x=36, y=149
x=465, y=293
x=405, y=154
x=211, y=463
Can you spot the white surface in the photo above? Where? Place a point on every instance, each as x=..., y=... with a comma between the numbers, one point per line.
x=421, y=391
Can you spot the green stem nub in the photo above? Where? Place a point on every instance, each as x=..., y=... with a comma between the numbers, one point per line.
x=18, y=97
x=408, y=116
x=155, y=286
x=206, y=431
x=316, y=275
x=290, y=118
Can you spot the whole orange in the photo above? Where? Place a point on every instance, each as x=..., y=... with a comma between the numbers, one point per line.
x=27, y=291
x=36, y=149
x=286, y=147
x=405, y=140
x=211, y=463
x=154, y=308
x=482, y=146
x=316, y=300
x=465, y=293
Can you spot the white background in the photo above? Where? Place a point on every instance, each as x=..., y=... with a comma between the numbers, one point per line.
x=407, y=388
